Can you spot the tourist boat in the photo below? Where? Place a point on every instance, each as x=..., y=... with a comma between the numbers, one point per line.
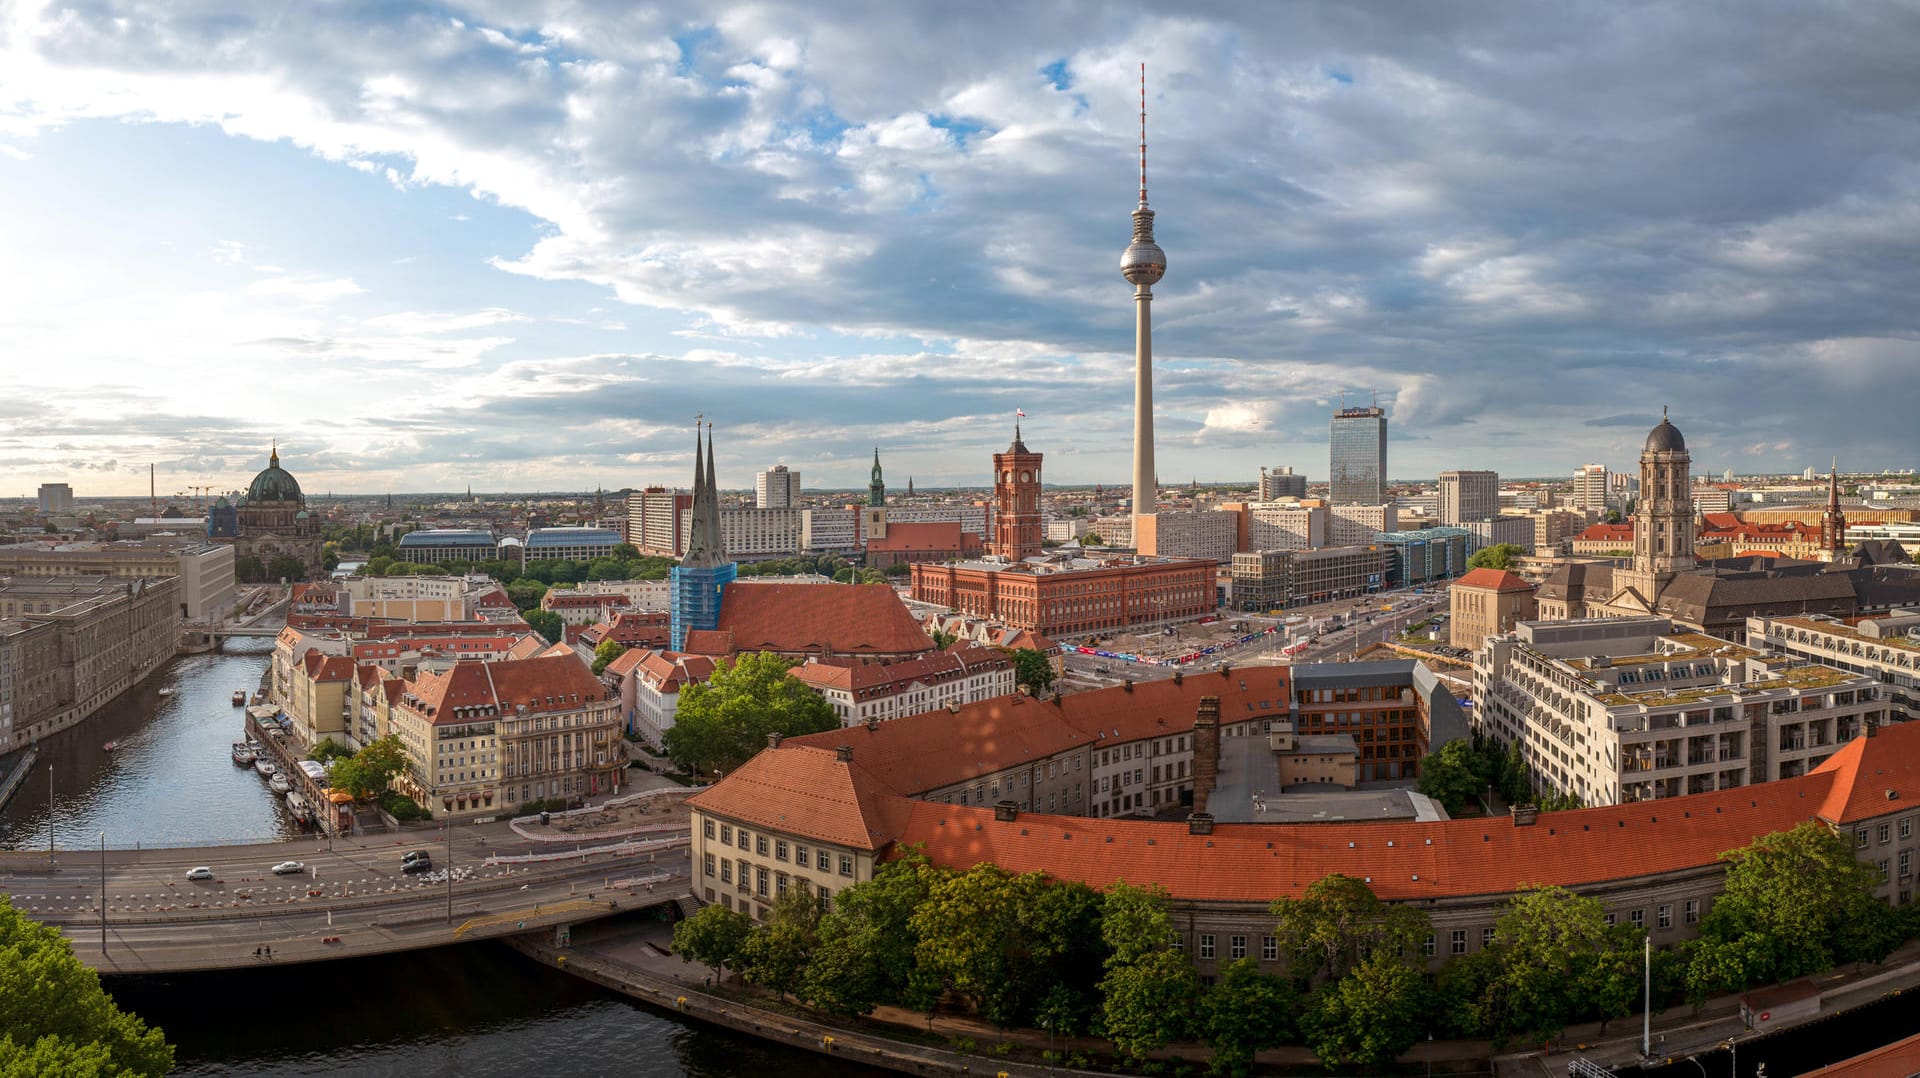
x=297, y=805
x=265, y=767
x=243, y=755
x=166, y=692
x=278, y=784
x=239, y=697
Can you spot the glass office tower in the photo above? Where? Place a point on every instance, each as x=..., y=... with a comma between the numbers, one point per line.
x=1359, y=450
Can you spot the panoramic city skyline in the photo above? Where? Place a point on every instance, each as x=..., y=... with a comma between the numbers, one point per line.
x=434, y=247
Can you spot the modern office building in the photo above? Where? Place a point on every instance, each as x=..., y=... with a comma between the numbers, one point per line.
x=1468, y=495
x=56, y=498
x=759, y=534
x=1424, y=555
x=1277, y=579
x=776, y=488
x=1886, y=649
x=570, y=544
x=1358, y=461
x=433, y=546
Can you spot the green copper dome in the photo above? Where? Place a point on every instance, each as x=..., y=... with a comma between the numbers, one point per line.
x=274, y=483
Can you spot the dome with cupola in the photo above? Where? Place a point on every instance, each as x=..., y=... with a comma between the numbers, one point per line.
x=274, y=483
x=1665, y=438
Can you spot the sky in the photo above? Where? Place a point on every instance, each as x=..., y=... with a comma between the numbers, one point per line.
x=520, y=246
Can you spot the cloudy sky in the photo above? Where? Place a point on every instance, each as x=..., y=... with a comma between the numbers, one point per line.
x=520, y=245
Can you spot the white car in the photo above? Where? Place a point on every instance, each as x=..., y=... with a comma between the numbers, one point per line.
x=201, y=873
x=288, y=868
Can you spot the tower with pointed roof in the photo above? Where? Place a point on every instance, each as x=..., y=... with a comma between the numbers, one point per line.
x=1833, y=523
x=1143, y=264
x=876, y=484
x=698, y=585
x=1016, y=529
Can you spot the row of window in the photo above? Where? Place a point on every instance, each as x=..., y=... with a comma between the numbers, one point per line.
x=801, y=856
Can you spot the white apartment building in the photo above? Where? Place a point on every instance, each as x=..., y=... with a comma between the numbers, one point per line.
x=1613, y=710
x=863, y=692
x=1359, y=525
x=1883, y=648
x=1211, y=534
x=1518, y=531
x=971, y=518
x=641, y=594
x=776, y=488
x=1468, y=495
x=830, y=530
x=1590, y=488
x=760, y=533
x=1285, y=526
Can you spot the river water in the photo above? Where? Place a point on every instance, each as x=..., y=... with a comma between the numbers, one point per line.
x=477, y=1009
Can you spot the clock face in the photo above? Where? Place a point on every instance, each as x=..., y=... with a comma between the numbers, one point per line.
x=1025, y=476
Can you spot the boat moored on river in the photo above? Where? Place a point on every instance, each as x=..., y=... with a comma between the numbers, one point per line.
x=239, y=698
x=279, y=785
x=265, y=767
x=243, y=754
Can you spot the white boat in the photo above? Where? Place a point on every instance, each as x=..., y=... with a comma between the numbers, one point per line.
x=243, y=755
x=278, y=784
x=166, y=692
x=297, y=805
x=265, y=767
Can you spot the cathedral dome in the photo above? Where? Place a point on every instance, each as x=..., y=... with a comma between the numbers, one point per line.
x=274, y=483
x=1665, y=438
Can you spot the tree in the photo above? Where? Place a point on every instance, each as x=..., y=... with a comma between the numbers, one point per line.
x=55, y=1016
x=1032, y=671
x=899, y=568
x=368, y=772
x=1134, y=922
x=1244, y=1013
x=1497, y=556
x=626, y=552
x=1370, y=1016
x=865, y=954
x=1148, y=1002
x=248, y=569
x=712, y=937
x=1339, y=921
x=1794, y=903
x=726, y=719
x=1451, y=776
x=547, y=623
x=775, y=954
x=526, y=594
x=1092, y=539
x=1548, y=942
x=968, y=928
x=608, y=651
x=942, y=639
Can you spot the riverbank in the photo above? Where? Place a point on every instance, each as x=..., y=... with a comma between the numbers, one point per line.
x=635, y=962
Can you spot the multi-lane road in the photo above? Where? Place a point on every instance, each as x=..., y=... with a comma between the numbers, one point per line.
x=353, y=899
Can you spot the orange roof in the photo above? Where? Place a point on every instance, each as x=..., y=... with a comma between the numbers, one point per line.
x=810, y=792
x=1596, y=532
x=928, y=536
x=1872, y=776
x=799, y=619
x=1400, y=859
x=321, y=667
x=559, y=682
x=866, y=677
x=1493, y=580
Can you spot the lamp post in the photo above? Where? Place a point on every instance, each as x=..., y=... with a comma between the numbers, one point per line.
x=103, y=892
x=449, y=869
x=49, y=815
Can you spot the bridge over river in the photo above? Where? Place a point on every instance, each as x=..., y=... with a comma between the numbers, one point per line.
x=350, y=900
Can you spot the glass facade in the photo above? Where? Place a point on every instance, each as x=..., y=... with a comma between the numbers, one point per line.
x=1359, y=457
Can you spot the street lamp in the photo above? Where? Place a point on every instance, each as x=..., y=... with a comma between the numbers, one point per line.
x=49, y=815
x=449, y=869
x=103, y=892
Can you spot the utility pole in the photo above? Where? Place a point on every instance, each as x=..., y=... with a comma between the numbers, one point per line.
x=49, y=815
x=103, y=892
x=1646, y=1010
x=449, y=870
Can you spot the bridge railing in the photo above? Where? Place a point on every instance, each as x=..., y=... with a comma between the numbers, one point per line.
x=665, y=842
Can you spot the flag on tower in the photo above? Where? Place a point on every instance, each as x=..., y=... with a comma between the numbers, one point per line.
x=1018, y=414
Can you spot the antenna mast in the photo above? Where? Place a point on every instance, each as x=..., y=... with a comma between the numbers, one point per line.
x=1143, y=133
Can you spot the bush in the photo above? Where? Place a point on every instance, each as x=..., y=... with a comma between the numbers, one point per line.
x=402, y=808
x=327, y=749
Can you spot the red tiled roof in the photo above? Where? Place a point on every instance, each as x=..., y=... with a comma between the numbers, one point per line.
x=928, y=536
x=1596, y=532
x=1900, y=1057
x=1873, y=776
x=549, y=683
x=322, y=667
x=1401, y=860
x=807, y=791
x=1494, y=580
x=800, y=619
x=867, y=677
x=649, y=629
x=625, y=662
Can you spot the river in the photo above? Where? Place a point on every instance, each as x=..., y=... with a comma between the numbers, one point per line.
x=472, y=1010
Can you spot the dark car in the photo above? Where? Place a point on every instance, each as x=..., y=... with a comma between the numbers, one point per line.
x=418, y=864
x=416, y=855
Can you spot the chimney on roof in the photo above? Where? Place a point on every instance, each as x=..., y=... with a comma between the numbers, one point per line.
x=1005, y=811
x=1200, y=823
x=1226, y=669
x=1206, y=752
x=773, y=739
x=1525, y=815
x=1179, y=676
x=843, y=753
x=872, y=724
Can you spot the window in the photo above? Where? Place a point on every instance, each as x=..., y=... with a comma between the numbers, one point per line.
x=707, y=864
x=1458, y=941
x=1639, y=918
x=1486, y=937
x=779, y=883
x=708, y=824
x=1611, y=918
x=1427, y=948
x=1906, y=827
x=1236, y=947
x=1859, y=838
x=1663, y=917
x=745, y=839
x=1884, y=877
x=1884, y=833
x=1206, y=945
x=846, y=864
x=1270, y=947
x=761, y=879
x=726, y=833
x=800, y=856
x=779, y=851
x=760, y=845
x=726, y=872
x=1906, y=864
x=1693, y=911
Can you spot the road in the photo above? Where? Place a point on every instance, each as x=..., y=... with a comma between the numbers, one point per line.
x=353, y=899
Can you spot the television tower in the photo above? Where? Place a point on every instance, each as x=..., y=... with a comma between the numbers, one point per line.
x=1143, y=264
